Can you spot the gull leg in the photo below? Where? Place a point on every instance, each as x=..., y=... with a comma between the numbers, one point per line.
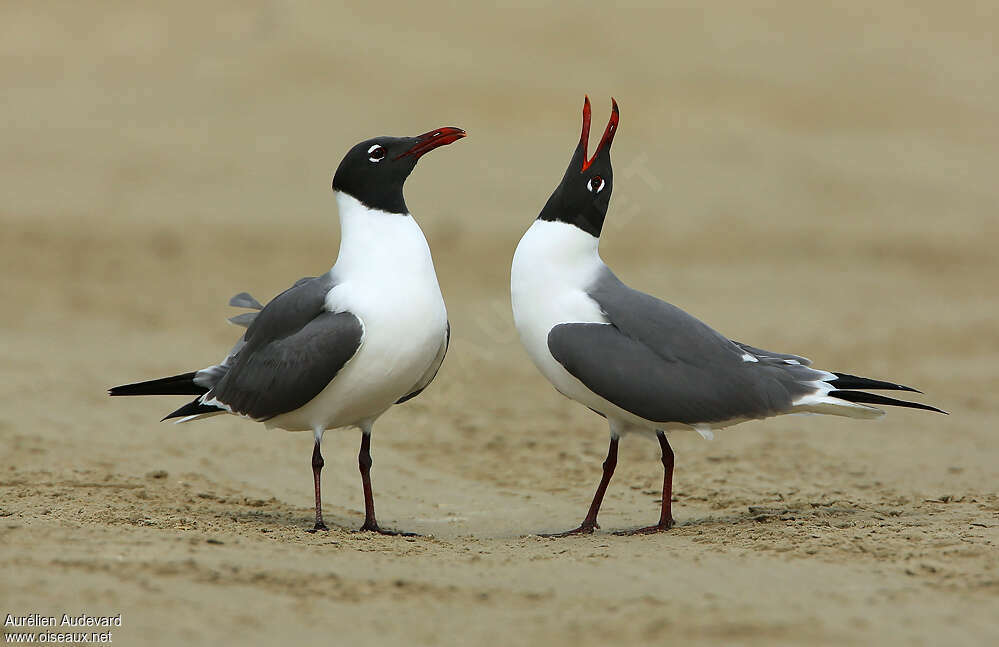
x=364, y=464
x=317, y=467
x=590, y=522
x=666, y=515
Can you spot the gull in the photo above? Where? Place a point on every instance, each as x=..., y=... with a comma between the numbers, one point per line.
x=336, y=351
x=643, y=364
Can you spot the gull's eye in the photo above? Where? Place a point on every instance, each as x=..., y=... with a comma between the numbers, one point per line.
x=596, y=184
x=376, y=153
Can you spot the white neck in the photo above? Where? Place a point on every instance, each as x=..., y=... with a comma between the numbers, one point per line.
x=554, y=266
x=375, y=240
x=558, y=249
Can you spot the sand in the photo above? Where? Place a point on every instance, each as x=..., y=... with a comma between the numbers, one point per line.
x=819, y=181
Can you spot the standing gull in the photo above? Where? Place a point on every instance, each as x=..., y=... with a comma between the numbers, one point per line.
x=641, y=363
x=338, y=350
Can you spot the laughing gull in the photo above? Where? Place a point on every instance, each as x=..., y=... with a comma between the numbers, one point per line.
x=338, y=350
x=643, y=364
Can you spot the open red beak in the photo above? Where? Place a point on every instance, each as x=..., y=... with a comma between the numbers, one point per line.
x=608, y=137
x=433, y=139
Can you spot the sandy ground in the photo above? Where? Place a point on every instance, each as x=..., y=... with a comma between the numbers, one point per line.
x=811, y=180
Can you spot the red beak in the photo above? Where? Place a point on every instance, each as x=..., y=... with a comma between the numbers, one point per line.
x=433, y=139
x=608, y=137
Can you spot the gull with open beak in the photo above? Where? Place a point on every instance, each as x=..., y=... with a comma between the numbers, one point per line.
x=641, y=363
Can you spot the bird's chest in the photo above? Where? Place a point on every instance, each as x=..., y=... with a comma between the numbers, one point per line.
x=403, y=331
x=546, y=292
x=539, y=308
x=404, y=326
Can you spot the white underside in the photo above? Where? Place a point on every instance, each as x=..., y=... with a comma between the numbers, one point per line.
x=385, y=276
x=553, y=266
x=821, y=402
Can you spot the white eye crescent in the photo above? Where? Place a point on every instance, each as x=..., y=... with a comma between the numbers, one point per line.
x=596, y=184
x=376, y=153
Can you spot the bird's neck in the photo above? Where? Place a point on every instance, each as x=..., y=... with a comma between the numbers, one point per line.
x=557, y=252
x=561, y=243
x=371, y=238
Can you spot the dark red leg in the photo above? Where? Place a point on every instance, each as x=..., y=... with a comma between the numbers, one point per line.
x=364, y=463
x=590, y=522
x=666, y=515
x=317, y=467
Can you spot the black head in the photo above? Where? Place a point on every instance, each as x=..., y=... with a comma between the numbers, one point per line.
x=374, y=171
x=581, y=198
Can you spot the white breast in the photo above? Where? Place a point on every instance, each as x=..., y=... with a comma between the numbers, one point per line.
x=385, y=276
x=552, y=268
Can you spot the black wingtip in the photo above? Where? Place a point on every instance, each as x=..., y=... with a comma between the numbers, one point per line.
x=872, y=398
x=193, y=408
x=847, y=381
x=182, y=384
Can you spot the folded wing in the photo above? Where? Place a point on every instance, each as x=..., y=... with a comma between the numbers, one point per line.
x=292, y=349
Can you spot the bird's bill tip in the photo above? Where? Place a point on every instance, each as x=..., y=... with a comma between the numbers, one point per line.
x=608, y=136
x=436, y=138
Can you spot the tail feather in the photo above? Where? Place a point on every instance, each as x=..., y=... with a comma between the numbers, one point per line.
x=245, y=300
x=861, y=397
x=847, y=381
x=244, y=319
x=182, y=384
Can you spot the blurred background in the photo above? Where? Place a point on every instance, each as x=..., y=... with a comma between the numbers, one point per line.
x=794, y=137
x=811, y=178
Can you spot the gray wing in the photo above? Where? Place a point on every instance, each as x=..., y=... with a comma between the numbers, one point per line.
x=759, y=353
x=658, y=362
x=247, y=300
x=291, y=351
x=431, y=373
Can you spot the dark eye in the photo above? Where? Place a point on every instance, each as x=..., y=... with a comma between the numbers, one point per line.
x=376, y=153
x=596, y=184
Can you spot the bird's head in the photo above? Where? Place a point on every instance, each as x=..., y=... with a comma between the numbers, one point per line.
x=375, y=170
x=581, y=198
